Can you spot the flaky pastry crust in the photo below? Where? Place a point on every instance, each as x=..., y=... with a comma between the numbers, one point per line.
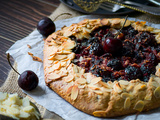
x=87, y=92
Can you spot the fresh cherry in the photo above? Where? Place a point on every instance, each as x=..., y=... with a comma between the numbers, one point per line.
x=112, y=45
x=46, y=26
x=28, y=80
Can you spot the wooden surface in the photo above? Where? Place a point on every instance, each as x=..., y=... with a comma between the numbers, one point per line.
x=17, y=19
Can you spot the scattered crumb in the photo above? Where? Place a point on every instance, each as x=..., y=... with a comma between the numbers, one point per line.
x=31, y=54
x=28, y=46
x=35, y=58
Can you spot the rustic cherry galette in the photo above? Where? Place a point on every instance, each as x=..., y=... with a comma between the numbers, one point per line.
x=103, y=72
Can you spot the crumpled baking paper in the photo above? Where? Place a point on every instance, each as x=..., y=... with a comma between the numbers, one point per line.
x=42, y=94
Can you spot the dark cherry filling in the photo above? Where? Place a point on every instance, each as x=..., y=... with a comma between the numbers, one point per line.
x=130, y=56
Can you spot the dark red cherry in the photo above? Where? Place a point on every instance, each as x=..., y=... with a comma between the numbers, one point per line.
x=112, y=45
x=46, y=26
x=28, y=80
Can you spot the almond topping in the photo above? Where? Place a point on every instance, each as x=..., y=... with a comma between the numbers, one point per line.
x=140, y=87
x=53, y=76
x=93, y=87
x=55, y=67
x=81, y=86
x=126, y=24
x=98, y=92
x=123, y=82
x=104, y=84
x=96, y=80
x=157, y=92
x=69, y=90
x=148, y=97
x=139, y=106
x=126, y=95
x=69, y=78
x=63, y=63
x=127, y=103
x=99, y=113
x=81, y=81
x=60, y=57
x=74, y=92
x=105, y=21
x=68, y=45
x=117, y=88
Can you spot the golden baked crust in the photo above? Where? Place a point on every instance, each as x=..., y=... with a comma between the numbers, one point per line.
x=87, y=92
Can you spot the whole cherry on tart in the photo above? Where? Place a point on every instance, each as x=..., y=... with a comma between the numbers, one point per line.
x=112, y=45
x=27, y=80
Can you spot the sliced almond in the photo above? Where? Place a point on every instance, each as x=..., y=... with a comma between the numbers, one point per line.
x=126, y=95
x=69, y=90
x=68, y=45
x=81, y=81
x=54, y=67
x=139, y=106
x=54, y=76
x=108, y=90
x=60, y=57
x=89, y=77
x=157, y=92
x=104, y=84
x=126, y=24
x=69, y=78
x=74, y=92
x=98, y=92
x=68, y=63
x=63, y=63
x=148, y=97
x=104, y=21
x=50, y=61
x=117, y=88
x=100, y=113
x=3, y=96
x=82, y=86
x=93, y=87
x=81, y=70
x=140, y=87
x=13, y=111
x=63, y=72
x=123, y=82
x=156, y=31
x=75, y=68
x=96, y=80
x=127, y=103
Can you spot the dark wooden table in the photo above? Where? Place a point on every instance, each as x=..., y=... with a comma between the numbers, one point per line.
x=17, y=19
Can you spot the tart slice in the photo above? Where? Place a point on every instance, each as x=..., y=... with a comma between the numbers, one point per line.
x=102, y=73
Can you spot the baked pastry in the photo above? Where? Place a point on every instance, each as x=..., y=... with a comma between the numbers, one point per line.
x=110, y=80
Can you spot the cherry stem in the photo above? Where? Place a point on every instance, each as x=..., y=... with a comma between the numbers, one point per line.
x=121, y=27
x=62, y=14
x=8, y=58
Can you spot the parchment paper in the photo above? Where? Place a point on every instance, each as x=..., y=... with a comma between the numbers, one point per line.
x=42, y=94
